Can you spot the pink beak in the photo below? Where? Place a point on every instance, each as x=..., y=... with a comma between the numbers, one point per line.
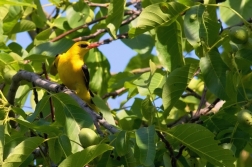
x=93, y=45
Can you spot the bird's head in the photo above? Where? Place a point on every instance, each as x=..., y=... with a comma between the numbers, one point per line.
x=83, y=46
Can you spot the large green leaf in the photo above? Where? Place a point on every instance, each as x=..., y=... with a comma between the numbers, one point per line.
x=23, y=25
x=201, y=141
x=55, y=150
x=16, y=3
x=243, y=7
x=145, y=142
x=169, y=46
x=11, y=19
x=214, y=73
x=52, y=48
x=22, y=151
x=201, y=25
x=71, y=117
x=153, y=16
x=83, y=157
x=147, y=85
x=99, y=70
x=175, y=85
x=115, y=16
x=77, y=14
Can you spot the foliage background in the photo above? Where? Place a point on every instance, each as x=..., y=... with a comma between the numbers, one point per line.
x=190, y=127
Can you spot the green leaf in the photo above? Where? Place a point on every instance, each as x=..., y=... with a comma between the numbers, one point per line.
x=115, y=16
x=148, y=85
x=122, y=143
x=148, y=110
x=169, y=46
x=214, y=73
x=39, y=16
x=52, y=48
x=209, y=27
x=11, y=19
x=142, y=44
x=140, y=60
x=18, y=49
x=152, y=17
x=3, y=12
x=23, y=25
x=71, y=128
x=205, y=146
x=50, y=129
x=16, y=3
x=83, y=157
x=145, y=142
x=106, y=113
x=175, y=85
x=55, y=150
x=41, y=106
x=201, y=25
x=65, y=145
x=242, y=7
x=79, y=11
x=99, y=70
x=42, y=36
x=22, y=151
x=117, y=81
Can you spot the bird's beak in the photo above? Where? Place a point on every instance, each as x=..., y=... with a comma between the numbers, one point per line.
x=93, y=45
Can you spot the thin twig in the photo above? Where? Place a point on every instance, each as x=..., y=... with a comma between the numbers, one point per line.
x=50, y=99
x=169, y=148
x=202, y=100
x=114, y=94
x=77, y=28
x=134, y=14
x=180, y=151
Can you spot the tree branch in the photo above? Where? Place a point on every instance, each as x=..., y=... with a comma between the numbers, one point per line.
x=53, y=87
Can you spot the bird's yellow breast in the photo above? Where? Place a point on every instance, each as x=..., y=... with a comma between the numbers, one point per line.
x=71, y=75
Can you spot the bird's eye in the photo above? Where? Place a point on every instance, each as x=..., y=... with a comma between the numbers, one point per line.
x=83, y=45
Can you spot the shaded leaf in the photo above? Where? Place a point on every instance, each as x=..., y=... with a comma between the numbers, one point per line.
x=23, y=25
x=205, y=146
x=169, y=47
x=145, y=142
x=214, y=73
x=175, y=85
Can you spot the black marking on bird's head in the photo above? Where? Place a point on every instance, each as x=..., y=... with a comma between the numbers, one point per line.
x=83, y=45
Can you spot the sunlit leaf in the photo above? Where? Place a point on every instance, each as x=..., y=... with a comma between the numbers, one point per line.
x=79, y=159
x=22, y=151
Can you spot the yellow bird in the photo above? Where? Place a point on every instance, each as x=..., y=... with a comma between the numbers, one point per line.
x=73, y=72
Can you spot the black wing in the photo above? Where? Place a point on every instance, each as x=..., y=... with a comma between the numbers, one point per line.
x=87, y=78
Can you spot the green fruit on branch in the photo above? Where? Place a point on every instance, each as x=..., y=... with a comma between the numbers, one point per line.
x=88, y=137
x=238, y=35
x=245, y=117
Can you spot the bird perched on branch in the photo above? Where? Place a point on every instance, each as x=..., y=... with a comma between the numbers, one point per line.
x=73, y=72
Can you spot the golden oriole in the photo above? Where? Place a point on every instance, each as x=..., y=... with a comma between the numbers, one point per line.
x=73, y=72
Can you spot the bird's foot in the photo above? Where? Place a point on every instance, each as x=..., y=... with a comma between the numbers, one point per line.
x=60, y=88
